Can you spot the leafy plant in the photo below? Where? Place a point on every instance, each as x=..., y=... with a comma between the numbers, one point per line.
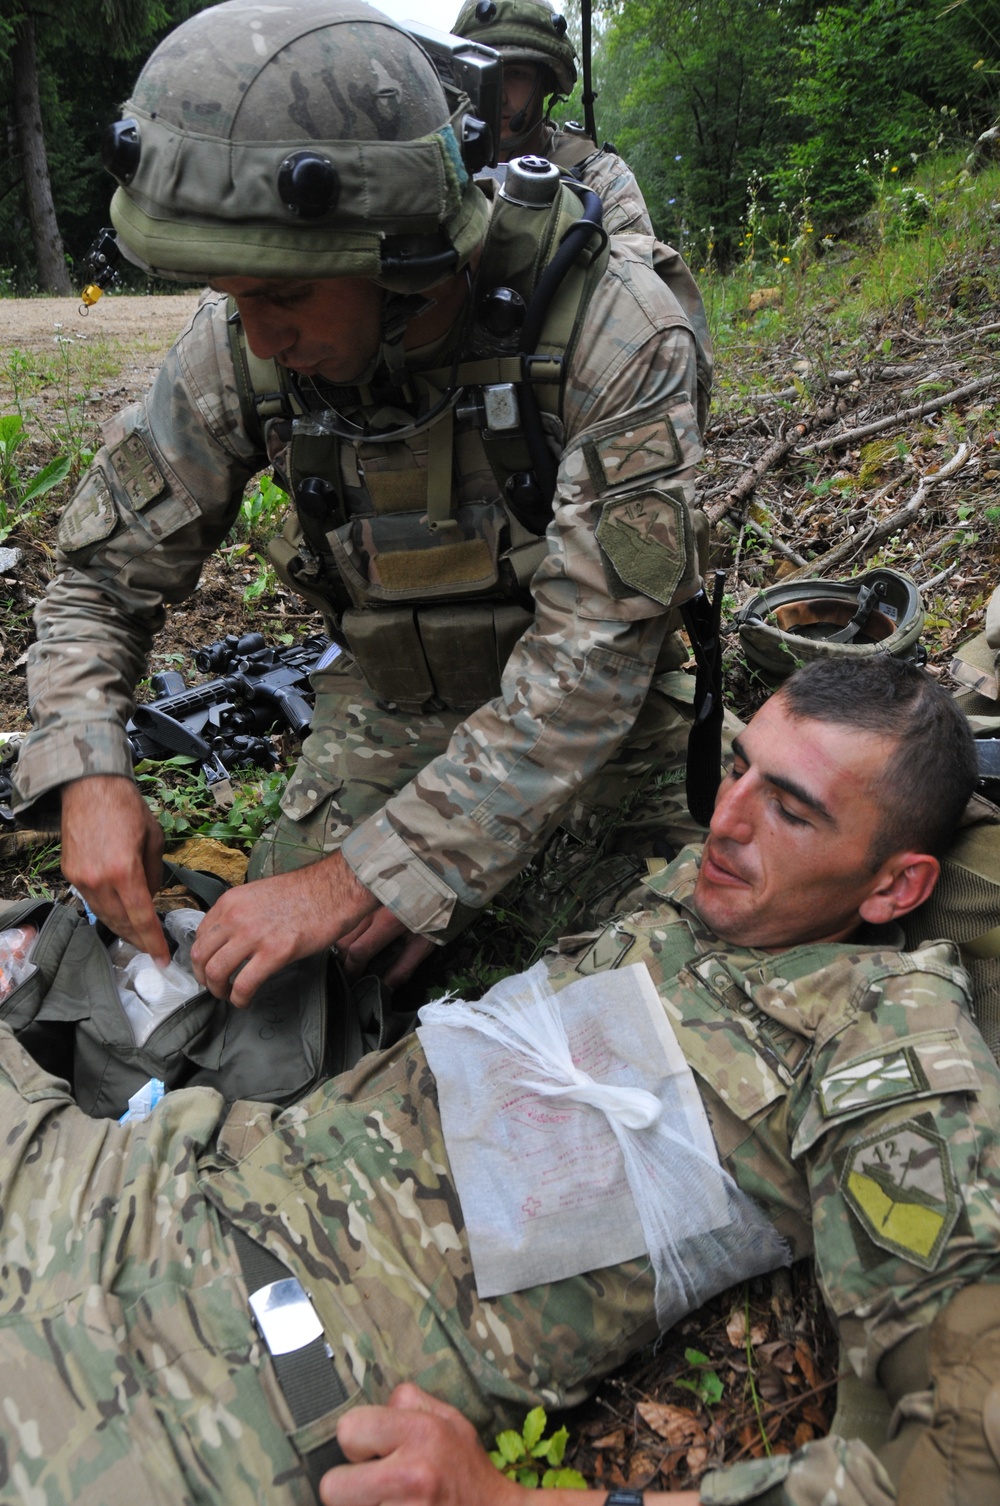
x=183, y=803
x=264, y=581
x=263, y=505
x=706, y=1384
x=18, y=491
x=516, y=1453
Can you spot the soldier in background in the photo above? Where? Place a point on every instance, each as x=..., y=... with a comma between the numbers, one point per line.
x=539, y=68
x=848, y=1095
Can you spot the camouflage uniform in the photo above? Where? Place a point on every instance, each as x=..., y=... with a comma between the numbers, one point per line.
x=976, y=667
x=436, y=807
x=529, y=32
x=603, y=171
x=847, y=1090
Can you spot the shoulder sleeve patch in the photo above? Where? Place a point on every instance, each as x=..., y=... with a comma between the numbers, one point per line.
x=607, y=952
x=140, y=476
x=872, y=1083
x=900, y=1185
x=645, y=539
x=650, y=449
x=90, y=517
x=934, y=1064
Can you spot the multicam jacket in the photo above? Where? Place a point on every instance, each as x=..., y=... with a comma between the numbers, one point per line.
x=851, y=1095
x=603, y=171
x=165, y=490
x=848, y=1093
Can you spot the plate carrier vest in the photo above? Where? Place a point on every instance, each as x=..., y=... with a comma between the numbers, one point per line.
x=386, y=539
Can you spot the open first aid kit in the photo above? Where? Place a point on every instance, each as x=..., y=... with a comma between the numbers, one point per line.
x=112, y=1023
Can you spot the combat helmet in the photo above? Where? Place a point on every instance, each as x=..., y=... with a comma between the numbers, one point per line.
x=522, y=31
x=293, y=138
x=784, y=626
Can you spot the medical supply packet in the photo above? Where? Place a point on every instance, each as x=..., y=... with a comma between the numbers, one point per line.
x=577, y=1139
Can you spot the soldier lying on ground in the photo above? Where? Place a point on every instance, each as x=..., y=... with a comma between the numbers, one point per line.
x=510, y=667
x=847, y=1092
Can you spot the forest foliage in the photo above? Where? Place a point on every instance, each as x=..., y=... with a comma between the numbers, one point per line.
x=723, y=107
x=788, y=103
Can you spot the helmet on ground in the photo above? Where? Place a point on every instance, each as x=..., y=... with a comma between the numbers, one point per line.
x=292, y=138
x=787, y=625
x=522, y=31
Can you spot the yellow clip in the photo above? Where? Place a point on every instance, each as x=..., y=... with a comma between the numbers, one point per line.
x=89, y=296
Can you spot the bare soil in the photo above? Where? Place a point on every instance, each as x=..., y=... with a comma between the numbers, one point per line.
x=155, y=321
x=137, y=331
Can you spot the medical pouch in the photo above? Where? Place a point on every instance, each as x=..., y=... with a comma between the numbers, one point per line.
x=302, y=1025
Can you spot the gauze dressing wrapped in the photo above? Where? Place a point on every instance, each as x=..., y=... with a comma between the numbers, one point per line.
x=149, y=992
x=577, y=1139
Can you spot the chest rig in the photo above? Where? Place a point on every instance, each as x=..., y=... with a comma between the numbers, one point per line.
x=421, y=504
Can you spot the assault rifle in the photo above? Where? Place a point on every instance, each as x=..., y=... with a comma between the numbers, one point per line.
x=225, y=723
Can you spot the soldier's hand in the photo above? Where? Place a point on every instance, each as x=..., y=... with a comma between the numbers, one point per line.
x=253, y=931
x=421, y=1452
x=376, y=932
x=112, y=850
x=415, y=1452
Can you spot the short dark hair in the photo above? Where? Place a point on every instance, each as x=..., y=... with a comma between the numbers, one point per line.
x=930, y=777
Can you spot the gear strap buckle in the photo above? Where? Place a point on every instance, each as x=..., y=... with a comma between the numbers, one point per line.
x=551, y=372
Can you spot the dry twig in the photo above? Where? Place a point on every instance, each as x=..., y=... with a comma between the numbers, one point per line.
x=904, y=416
x=772, y=456
x=893, y=523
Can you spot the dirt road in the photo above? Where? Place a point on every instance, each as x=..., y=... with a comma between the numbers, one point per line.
x=33, y=323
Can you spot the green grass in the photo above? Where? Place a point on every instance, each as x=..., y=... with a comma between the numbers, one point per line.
x=832, y=293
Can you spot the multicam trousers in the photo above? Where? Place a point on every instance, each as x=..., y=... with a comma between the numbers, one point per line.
x=130, y=1370
x=359, y=754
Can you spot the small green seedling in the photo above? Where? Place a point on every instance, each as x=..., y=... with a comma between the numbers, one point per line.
x=706, y=1385
x=515, y=1453
x=16, y=489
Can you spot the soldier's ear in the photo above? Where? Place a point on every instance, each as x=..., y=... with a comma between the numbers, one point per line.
x=902, y=883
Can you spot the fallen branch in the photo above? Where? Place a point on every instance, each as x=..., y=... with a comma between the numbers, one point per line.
x=775, y=543
x=844, y=379
x=890, y=525
x=942, y=575
x=974, y=334
x=904, y=416
x=772, y=456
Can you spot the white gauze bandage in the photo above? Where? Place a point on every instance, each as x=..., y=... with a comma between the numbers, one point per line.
x=577, y=1139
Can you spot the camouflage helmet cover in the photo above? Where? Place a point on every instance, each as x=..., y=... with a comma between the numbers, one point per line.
x=792, y=624
x=522, y=31
x=232, y=100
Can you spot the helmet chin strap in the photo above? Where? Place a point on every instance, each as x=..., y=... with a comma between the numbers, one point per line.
x=519, y=136
x=398, y=309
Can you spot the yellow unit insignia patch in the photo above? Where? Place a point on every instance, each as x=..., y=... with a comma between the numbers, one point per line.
x=901, y=1186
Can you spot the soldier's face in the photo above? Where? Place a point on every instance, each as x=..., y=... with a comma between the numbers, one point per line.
x=324, y=327
x=521, y=91
x=788, y=857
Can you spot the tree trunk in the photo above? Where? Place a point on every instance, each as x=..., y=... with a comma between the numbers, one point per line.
x=49, y=256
